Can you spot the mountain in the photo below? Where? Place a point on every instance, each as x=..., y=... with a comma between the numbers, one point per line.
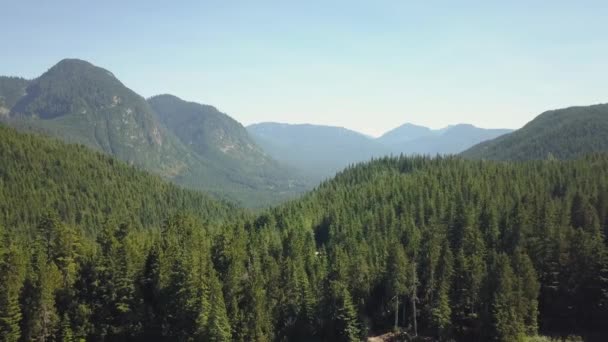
x=319, y=151
x=206, y=130
x=405, y=133
x=86, y=104
x=564, y=134
x=214, y=135
x=450, y=140
x=82, y=103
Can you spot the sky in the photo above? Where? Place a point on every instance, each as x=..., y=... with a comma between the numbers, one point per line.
x=365, y=65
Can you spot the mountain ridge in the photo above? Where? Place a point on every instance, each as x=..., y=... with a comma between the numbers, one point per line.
x=322, y=150
x=564, y=133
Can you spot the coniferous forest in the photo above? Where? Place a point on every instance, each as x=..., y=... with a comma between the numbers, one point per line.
x=443, y=248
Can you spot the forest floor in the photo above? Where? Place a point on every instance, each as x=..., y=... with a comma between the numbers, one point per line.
x=397, y=337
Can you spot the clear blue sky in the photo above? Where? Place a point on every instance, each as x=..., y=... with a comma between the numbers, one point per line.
x=368, y=66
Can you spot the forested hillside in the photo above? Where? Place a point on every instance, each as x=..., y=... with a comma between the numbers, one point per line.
x=564, y=134
x=447, y=248
x=86, y=188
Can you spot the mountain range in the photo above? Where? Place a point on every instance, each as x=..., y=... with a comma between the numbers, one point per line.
x=193, y=145
x=196, y=145
x=321, y=151
x=199, y=147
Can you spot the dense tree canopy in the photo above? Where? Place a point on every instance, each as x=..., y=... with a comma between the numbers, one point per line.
x=442, y=247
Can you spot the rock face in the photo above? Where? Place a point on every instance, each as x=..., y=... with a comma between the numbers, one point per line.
x=11, y=90
x=206, y=130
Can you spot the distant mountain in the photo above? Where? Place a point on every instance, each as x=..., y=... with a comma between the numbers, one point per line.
x=85, y=104
x=319, y=151
x=11, y=90
x=563, y=134
x=405, y=133
x=450, y=140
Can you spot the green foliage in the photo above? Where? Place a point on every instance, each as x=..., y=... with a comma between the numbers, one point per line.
x=84, y=188
x=11, y=283
x=472, y=250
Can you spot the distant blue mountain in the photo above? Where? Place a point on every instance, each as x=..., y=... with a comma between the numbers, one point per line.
x=321, y=151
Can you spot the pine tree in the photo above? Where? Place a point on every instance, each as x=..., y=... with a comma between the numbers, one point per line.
x=150, y=290
x=179, y=316
x=527, y=290
x=398, y=280
x=507, y=324
x=343, y=314
x=41, y=319
x=441, y=309
x=65, y=331
x=219, y=326
x=11, y=274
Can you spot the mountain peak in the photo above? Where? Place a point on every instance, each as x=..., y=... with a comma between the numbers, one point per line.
x=404, y=133
x=74, y=62
x=72, y=69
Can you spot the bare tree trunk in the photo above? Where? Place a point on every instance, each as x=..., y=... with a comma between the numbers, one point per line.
x=414, y=299
x=396, y=312
x=404, y=306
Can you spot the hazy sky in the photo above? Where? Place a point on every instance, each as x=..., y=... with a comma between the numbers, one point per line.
x=368, y=66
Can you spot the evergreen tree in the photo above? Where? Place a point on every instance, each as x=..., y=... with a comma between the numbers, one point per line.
x=219, y=326
x=507, y=323
x=344, y=326
x=11, y=278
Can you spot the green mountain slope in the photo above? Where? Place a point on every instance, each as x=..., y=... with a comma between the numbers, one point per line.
x=206, y=130
x=216, y=137
x=84, y=187
x=82, y=103
x=564, y=134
